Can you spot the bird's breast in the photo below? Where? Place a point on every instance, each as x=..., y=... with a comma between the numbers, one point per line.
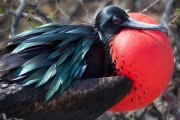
x=145, y=57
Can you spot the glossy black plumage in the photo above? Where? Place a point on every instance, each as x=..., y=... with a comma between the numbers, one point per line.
x=29, y=102
x=85, y=100
x=51, y=54
x=41, y=70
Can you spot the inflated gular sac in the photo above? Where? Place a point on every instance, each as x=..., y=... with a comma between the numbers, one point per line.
x=146, y=57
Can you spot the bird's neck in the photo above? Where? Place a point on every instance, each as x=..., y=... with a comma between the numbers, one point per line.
x=105, y=38
x=109, y=65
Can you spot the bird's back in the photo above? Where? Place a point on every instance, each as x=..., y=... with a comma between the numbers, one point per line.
x=32, y=63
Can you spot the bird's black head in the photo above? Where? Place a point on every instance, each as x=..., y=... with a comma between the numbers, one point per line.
x=109, y=19
x=112, y=19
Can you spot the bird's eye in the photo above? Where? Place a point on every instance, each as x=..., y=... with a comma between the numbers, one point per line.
x=116, y=20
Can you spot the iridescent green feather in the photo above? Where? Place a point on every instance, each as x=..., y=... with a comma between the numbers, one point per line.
x=26, y=45
x=41, y=29
x=59, y=79
x=65, y=55
x=66, y=47
x=34, y=63
x=48, y=75
x=67, y=40
x=38, y=75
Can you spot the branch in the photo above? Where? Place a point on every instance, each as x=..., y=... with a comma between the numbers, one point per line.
x=38, y=19
x=102, y=4
x=164, y=20
x=4, y=31
x=19, y=14
x=68, y=16
x=172, y=21
x=38, y=12
x=166, y=13
x=158, y=103
x=145, y=9
x=87, y=12
x=172, y=105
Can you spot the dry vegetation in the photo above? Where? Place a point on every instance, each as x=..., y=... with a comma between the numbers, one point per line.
x=167, y=12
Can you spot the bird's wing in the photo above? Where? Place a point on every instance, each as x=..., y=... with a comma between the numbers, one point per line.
x=51, y=54
x=83, y=100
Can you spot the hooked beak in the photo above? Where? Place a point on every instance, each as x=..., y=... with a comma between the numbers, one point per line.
x=131, y=23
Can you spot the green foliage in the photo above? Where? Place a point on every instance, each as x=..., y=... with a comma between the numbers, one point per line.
x=51, y=15
x=29, y=19
x=178, y=10
x=2, y=10
x=2, y=2
x=29, y=9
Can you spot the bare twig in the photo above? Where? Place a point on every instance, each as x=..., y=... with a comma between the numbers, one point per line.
x=38, y=12
x=65, y=14
x=19, y=14
x=102, y=4
x=145, y=9
x=172, y=105
x=158, y=103
x=5, y=30
x=172, y=21
x=57, y=6
x=4, y=34
x=166, y=13
x=8, y=3
x=178, y=98
x=164, y=20
x=36, y=9
x=176, y=81
x=87, y=12
x=38, y=19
